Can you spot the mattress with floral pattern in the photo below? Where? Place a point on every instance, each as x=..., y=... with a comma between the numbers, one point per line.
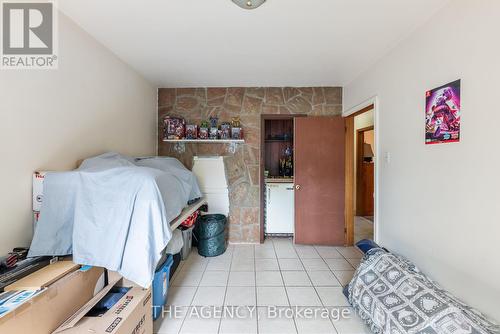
x=393, y=296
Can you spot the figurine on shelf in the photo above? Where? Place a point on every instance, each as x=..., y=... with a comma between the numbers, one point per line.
x=174, y=127
x=286, y=163
x=225, y=130
x=214, y=133
x=203, y=133
x=214, y=121
x=191, y=131
x=235, y=122
x=236, y=130
x=236, y=133
x=214, y=130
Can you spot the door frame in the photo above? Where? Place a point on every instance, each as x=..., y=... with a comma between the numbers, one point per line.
x=350, y=160
x=262, y=182
x=359, y=161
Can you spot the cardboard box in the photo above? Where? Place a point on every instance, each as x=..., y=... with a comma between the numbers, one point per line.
x=38, y=178
x=131, y=314
x=44, y=277
x=45, y=311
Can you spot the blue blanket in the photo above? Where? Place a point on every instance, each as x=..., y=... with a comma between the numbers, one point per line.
x=114, y=212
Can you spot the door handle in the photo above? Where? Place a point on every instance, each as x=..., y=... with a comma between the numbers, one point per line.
x=297, y=186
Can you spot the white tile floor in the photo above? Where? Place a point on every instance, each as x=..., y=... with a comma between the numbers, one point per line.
x=252, y=280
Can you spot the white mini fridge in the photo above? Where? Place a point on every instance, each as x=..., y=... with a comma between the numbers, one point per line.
x=280, y=213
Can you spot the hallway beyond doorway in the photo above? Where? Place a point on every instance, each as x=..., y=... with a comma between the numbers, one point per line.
x=363, y=228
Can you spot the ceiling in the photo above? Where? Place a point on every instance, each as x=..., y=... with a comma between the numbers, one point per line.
x=193, y=43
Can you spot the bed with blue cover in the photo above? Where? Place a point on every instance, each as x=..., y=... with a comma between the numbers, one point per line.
x=114, y=212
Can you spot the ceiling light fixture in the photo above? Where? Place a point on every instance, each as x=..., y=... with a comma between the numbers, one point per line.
x=249, y=4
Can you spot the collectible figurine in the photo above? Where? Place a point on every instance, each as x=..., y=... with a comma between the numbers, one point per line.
x=203, y=133
x=236, y=133
x=213, y=121
x=191, y=131
x=225, y=130
x=235, y=122
x=214, y=133
x=174, y=127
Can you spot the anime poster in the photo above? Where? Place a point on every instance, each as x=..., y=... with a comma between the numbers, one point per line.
x=442, y=114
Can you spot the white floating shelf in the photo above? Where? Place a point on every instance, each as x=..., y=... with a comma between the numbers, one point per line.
x=205, y=141
x=180, y=144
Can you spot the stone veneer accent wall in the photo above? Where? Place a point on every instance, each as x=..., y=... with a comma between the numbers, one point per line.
x=242, y=167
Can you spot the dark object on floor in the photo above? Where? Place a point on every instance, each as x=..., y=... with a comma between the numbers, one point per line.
x=210, y=232
x=175, y=265
x=108, y=301
x=365, y=245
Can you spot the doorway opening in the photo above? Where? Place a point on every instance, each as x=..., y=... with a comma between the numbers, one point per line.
x=360, y=175
x=365, y=178
x=277, y=176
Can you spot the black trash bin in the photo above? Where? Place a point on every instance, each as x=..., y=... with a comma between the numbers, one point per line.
x=210, y=234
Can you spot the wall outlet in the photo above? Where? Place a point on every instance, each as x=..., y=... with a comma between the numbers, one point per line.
x=387, y=157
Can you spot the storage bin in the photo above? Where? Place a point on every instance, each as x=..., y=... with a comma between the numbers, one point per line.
x=187, y=237
x=160, y=287
x=175, y=265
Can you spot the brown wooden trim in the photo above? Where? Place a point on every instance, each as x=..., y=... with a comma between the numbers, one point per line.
x=359, y=166
x=350, y=160
x=349, y=181
x=263, y=118
x=361, y=111
x=368, y=128
x=359, y=162
x=359, y=158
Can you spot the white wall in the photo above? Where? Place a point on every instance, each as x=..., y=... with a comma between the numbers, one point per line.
x=49, y=119
x=439, y=203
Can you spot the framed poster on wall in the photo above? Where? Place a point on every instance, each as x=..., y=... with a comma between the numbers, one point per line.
x=442, y=114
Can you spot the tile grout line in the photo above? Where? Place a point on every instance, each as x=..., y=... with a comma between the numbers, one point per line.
x=255, y=288
x=227, y=285
x=284, y=287
x=338, y=279
x=331, y=271
x=343, y=257
x=192, y=300
x=317, y=294
x=307, y=273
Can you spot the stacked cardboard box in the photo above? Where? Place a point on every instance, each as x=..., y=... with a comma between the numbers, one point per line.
x=131, y=314
x=57, y=298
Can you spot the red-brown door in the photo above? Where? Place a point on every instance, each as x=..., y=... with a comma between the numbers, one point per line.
x=319, y=154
